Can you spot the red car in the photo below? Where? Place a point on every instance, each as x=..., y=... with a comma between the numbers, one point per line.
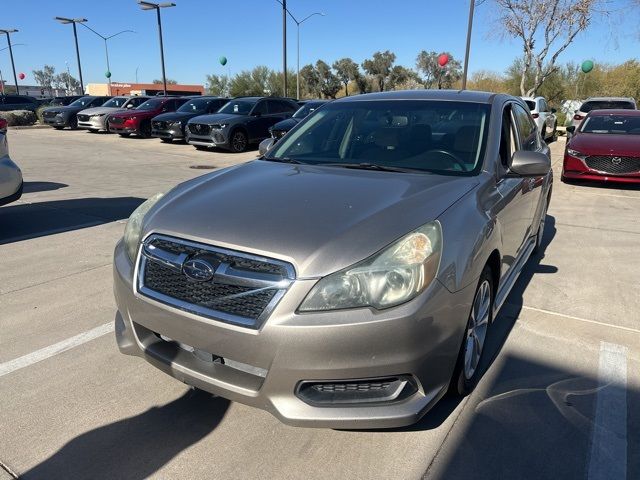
x=138, y=120
x=605, y=147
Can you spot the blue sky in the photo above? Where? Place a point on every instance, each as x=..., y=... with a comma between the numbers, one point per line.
x=248, y=33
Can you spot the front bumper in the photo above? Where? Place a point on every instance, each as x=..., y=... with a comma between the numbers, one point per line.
x=217, y=138
x=173, y=133
x=57, y=121
x=94, y=123
x=575, y=169
x=419, y=340
x=122, y=129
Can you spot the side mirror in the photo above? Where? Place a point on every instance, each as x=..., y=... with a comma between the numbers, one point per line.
x=130, y=105
x=553, y=110
x=266, y=145
x=529, y=164
x=571, y=129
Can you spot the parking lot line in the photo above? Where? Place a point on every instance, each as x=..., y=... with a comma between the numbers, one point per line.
x=608, y=459
x=56, y=348
x=585, y=320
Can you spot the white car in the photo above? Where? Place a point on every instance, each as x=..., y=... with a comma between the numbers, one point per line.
x=545, y=117
x=602, y=103
x=95, y=119
x=10, y=174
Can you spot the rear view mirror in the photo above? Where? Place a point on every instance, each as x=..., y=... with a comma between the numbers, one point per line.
x=529, y=164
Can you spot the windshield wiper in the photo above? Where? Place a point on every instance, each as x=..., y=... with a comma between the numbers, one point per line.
x=283, y=160
x=371, y=166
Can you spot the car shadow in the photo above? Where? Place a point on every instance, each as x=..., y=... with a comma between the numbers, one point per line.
x=31, y=187
x=23, y=221
x=594, y=185
x=135, y=447
x=497, y=334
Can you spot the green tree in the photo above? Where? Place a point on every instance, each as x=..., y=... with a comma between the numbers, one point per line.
x=347, y=71
x=379, y=67
x=170, y=81
x=45, y=77
x=218, y=85
x=329, y=82
x=275, y=82
x=66, y=81
x=433, y=75
x=311, y=80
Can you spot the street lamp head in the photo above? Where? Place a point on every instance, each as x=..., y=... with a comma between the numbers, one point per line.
x=65, y=20
x=151, y=6
x=8, y=30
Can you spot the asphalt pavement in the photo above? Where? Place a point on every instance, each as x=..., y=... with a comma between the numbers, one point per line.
x=560, y=398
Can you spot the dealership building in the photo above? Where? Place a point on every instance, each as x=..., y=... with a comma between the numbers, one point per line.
x=118, y=88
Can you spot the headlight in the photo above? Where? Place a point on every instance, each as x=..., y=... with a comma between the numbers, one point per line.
x=390, y=277
x=220, y=126
x=133, y=229
x=177, y=123
x=576, y=153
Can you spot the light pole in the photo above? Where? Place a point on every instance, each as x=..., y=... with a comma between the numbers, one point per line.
x=106, y=49
x=298, y=23
x=73, y=21
x=8, y=32
x=157, y=6
x=472, y=5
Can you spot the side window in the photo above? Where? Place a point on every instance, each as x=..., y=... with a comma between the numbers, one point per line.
x=526, y=129
x=138, y=101
x=507, y=138
x=260, y=108
x=288, y=107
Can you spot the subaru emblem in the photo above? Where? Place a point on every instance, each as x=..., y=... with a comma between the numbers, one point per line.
x=198, y=270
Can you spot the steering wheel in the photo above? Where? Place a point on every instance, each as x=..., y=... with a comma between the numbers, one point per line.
x=452, y=156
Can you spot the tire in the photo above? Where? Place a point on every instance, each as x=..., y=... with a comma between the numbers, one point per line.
x=238, y=142
x=166, y=140
x=125, y=135
x=468, y=366
x=145, y=130
x=540, y=233
x=93, y=130
x=554, y=135
x=73, y=123
x=58, y=128
x=201, y=147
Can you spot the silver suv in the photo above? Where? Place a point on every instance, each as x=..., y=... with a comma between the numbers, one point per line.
x=602, y=103
x=349, y=277
x=543, y=115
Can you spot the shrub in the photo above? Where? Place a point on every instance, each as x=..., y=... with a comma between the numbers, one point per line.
x=19, y=117
x=39, y=112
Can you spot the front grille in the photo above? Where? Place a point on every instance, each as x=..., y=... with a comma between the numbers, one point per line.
x=244, y=289
x=116, y=120
x=278, y=134
x=159, y=125
x=49, y=114
x=83, y=118
x=199, y=128
x=352, y=387
x=613, y=164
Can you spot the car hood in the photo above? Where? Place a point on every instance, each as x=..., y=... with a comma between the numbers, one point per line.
x=319, y=218
x=286, y=125
x=605, y=144
x=136, y=113
x=174, y=116
x=101, y=110
x=217, y=118
x=64, y=109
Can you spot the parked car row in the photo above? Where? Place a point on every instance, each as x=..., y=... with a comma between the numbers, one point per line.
x=202, y=121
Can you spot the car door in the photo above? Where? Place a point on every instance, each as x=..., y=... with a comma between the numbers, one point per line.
x=515, y=208
x=259, y=121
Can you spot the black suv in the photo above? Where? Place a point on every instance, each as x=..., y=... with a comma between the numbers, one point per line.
x=60, y=117
x=171, y=126
x=241, y=122
x=18, y=102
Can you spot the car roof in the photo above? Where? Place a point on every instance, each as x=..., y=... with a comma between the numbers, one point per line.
x=615, y=111
x=450, y=95
x=608, y=99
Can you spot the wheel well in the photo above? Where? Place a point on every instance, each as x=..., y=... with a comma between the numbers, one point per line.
x=494, y=264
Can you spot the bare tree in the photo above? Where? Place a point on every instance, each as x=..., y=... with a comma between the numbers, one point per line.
x=546, y=28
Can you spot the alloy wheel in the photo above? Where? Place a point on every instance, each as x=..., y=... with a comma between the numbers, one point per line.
x=477, y=329
x=239, y=142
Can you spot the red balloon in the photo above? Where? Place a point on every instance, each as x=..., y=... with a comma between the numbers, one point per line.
x=21, y=76
x=443, y=59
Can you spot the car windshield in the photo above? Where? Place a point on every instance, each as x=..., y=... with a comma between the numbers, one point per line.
x=116, y=102
x=152, y=104
x=531, y=104
x=195, y=106
x=606, y=105
x=81, y=102
x=409, y=135
x=238, y=107
x=612, y=124
x=306, y=109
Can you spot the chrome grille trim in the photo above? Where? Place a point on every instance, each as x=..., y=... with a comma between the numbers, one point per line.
x=226, y=275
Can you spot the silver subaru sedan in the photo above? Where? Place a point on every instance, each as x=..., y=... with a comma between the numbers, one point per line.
x=10, y=174
x=349, y=277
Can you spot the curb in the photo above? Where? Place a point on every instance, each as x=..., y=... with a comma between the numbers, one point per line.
x=28, y=127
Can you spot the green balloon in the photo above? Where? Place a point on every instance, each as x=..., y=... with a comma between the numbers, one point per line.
x=107, y=74
x=587, y=66
x=223, y=61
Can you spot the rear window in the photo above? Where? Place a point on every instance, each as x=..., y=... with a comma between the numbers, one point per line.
x=531, y=104
x=606, y=105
